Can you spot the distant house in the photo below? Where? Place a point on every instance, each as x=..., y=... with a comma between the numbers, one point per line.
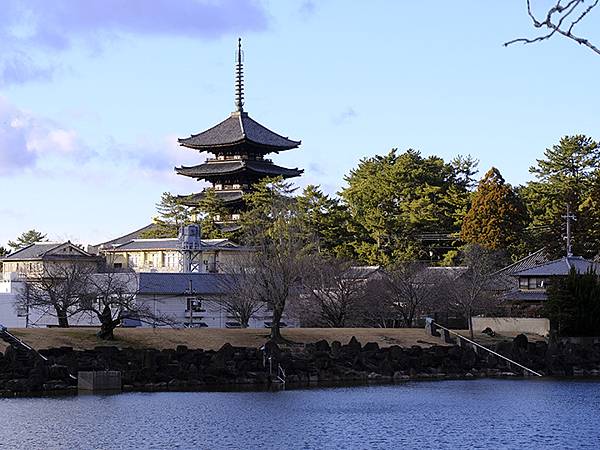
x=531, y=283
x=193, y=300
x=42, y=259
x=39, y=258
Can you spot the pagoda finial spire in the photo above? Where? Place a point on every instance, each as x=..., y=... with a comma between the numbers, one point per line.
x=239, y=78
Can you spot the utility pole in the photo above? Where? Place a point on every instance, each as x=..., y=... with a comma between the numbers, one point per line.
x=569, y=217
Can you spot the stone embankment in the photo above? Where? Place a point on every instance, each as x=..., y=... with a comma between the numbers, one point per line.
x=321, y=362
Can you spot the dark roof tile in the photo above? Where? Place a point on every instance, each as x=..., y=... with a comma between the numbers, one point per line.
x=215, y=168
x=236, y=129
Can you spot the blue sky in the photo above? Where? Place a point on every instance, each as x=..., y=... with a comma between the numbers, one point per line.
x=94, y=94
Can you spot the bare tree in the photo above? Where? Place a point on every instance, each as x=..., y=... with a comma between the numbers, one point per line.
x=475, y=290
x=242, y=297
x=279, y=266
x=272, y=228
x=335, y=288
x=375, y=310
x=55, y=291
x=111, y=297
x=560, y=19
x=408, y=288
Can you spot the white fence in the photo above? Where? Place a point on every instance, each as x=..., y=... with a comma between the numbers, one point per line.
x=512, y=325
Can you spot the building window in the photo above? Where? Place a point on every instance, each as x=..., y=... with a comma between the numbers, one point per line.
x=134, y=260
x=523, y=283
x=171, y=260
x=157, y=260
x=118, y=265
x=194, y=304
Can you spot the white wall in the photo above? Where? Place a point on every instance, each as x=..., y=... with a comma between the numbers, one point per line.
x=512, y=325
x=214, y=315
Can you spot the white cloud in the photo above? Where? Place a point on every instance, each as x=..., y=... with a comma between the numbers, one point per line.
x=26, y=138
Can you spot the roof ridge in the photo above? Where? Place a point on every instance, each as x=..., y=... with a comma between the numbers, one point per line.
x=242, y=124
x=523, y=259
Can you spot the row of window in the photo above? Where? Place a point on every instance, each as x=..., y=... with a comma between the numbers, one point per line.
x=170, y=260
x=533, y=283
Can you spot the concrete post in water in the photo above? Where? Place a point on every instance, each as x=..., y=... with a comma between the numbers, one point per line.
x=109, y=380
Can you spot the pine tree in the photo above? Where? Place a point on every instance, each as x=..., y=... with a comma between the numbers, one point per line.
x=565, y=178
x=497, y=215
x=27, y=238
x=396, y=199
x=172, y=215
x=211, y=210
x=325, y=221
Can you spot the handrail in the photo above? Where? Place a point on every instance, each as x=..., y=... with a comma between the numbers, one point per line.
x=280, y=373
x=460, y=336
x=4, y=332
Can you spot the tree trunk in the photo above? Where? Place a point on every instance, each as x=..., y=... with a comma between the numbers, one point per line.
x=275, y=324
x=61, y=315
x=471, y=324
x=107, y=325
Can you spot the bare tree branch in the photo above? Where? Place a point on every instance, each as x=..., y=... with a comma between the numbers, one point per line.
x=555, y=21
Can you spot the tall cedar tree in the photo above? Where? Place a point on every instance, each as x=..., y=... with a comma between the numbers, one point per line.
x=497, y=215
x=567, y=176
x=397, y=199
x=27, y=238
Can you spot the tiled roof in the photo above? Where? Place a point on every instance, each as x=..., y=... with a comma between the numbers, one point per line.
x=227, y=196
x=179, y=283
x=534, y=259
x=169, y=244
x=560, y=267
x=525, y=296
x=215, y=168
x=40, y=250
x=236, y=129
x=128, y=237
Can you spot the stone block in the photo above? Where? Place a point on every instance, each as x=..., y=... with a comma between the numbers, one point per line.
x=108, y=380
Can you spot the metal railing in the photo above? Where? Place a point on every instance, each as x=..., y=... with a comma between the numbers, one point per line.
x=460, y=336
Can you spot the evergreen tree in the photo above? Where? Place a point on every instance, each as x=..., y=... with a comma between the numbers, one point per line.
x=573, y=304
x=394, y=200
x=565, y=177
x=171, y=215
x=325, y=221
x=211, y=210
x=590, y=212
x=497, y=216
x=269, y=203
x=27, y=238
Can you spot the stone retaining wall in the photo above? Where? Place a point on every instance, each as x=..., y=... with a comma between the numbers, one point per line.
x=322, y=362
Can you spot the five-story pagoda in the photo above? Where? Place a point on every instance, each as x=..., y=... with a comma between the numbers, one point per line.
x=239, y=145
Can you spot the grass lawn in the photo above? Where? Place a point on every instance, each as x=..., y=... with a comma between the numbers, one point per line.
x=214, y=338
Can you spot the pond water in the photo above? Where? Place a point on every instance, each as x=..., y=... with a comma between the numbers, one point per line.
x=512, y=414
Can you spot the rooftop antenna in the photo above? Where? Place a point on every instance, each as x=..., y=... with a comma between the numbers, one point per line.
x=569, y=217
x=239, y=78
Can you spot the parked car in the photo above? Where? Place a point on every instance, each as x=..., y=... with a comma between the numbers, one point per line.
x=233, y=325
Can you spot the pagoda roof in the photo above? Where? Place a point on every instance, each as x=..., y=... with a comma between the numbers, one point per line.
x=237, y=129
x=226, y=196
x=216, y=168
